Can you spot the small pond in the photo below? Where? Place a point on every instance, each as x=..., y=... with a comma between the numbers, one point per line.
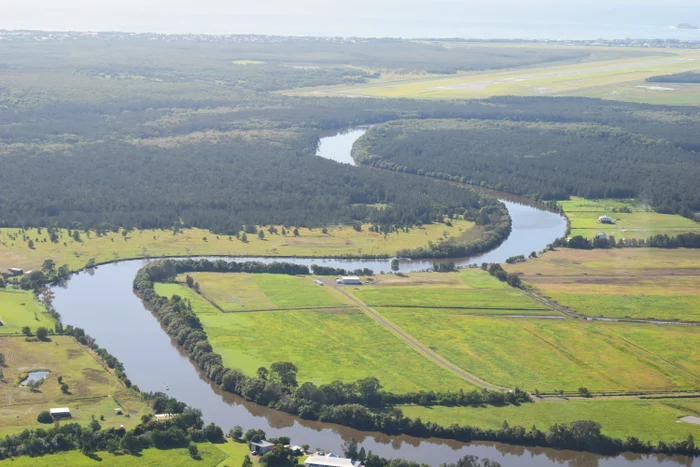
x=34, y=377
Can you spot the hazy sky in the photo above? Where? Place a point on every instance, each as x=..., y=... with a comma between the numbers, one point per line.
x=334, y=17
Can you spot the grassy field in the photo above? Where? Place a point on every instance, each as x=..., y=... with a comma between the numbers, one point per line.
x=19, y=308
x=545, y=354
x=642, y=222
x=635, y=283
x=342, y=344
x=468, y=289
x=620, y=78
x=245, y=292
x=93, y=391
x=652, y=420
x=340, y=241
x=210, y=455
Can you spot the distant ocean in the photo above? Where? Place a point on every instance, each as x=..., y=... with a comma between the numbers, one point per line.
x=561, y=24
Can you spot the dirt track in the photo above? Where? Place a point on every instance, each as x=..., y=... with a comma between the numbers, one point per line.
x=410, y=340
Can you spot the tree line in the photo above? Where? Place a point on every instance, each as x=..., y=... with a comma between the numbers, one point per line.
x=360, y=404
x=686, y=240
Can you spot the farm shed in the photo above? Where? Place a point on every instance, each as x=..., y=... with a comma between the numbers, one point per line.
x=605, y=220
x=351, y=280
x=60, y=412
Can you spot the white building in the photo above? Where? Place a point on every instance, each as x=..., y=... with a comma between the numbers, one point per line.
x=605, y=220
x=351, y=280
x=330, y=460
x=61, y=412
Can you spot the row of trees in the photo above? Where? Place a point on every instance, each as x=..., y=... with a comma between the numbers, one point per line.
x=686, y=240
x=362, y=404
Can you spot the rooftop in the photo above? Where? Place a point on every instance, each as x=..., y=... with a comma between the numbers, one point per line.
x=261, y=444
x=329, y=461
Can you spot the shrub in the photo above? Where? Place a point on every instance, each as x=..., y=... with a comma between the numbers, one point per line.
x=44, y=417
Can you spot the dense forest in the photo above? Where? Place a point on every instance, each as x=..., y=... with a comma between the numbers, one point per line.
x=541, y=160
x=221, y=185
x=684, y=77
x=133, y=131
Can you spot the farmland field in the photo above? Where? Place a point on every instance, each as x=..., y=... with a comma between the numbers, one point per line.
x=649, y=420
x=211, y=455
x=621, y=78
x=325, y=345
x=245, y=292
x=470, y=289
x=340, y=241
x=544, y=354
x=93, y=391
x=635, y=282
x=19, y=308
x=642, y=222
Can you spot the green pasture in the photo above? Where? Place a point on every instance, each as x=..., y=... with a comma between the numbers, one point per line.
x=19, y=308
x=448, y=297
x=541, y=354
x=115, y=246
x=611, y=265
x=480, y=279
x=325, y=345
x=210, y=455
x=92, y=389
x=642, y=222
x=676, y=345
x=630, y=305
x=241, y=292
x=635, y=282
x=649, y=420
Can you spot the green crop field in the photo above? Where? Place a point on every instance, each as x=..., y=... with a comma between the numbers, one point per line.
x=470, y=289
x=618, y=78
x=340, y=241
x=243, y=292
x=19, y=308
x=342, y=344
x=642, y=222
x=543, y=354
x=93, y=391
x=637, y=283
x=648, y=420
x=210, y=455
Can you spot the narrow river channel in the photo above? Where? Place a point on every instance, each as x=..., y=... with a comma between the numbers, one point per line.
x=103, y=303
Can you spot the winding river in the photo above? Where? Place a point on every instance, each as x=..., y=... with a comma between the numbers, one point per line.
x=102, y=302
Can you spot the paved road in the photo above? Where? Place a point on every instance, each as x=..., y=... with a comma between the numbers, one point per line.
x=410, y=340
